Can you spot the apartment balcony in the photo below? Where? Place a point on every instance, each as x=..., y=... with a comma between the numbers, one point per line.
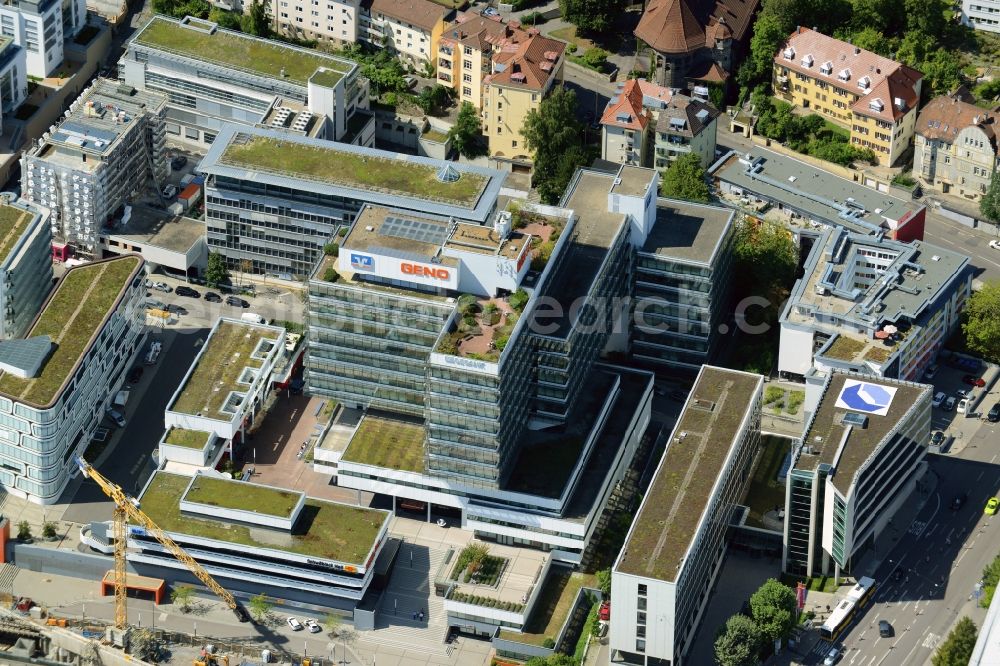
x=444, y=50
x=444, y=64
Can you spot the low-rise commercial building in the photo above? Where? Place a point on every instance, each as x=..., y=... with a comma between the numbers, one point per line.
x=410, y=28
x=109, y=146
x=859, y=461
x=682, y=286
x=25, y=265
x=955, y=147
x=214, y=77
x=276, y=200
x=817, y=196
x=261, y=539
x=663, y=577
x=873, y=96
x=57, y=380
x=41, y=29
x=872, y=306
x=173, y=243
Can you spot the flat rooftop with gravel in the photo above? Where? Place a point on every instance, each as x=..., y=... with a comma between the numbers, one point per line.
x=264, y=57
x=72, y=317
x=671, y=512
x=324, y=530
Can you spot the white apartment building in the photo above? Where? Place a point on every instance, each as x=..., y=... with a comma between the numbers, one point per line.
x=40, y=28
x=25, y=265
x=334, y=22
x=13, y=75
x=56, y=382
x=104, y=152
x=411, y=28
x=981, y=14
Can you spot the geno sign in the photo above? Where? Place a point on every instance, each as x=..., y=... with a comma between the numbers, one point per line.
x=424, y=271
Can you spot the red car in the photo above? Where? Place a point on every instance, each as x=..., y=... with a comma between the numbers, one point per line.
x=604, y=612
x=972, y=380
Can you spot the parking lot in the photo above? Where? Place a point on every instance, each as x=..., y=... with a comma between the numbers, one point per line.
x=960, y=425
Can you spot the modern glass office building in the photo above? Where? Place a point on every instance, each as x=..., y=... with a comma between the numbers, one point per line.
x=25, y=265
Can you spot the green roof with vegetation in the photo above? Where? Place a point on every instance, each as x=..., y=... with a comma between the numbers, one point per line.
x=552, y=607
x=326, y=77
x=323, y=529
x=388, y=443
x=335, y=165
x=242, y=496
x=844, y=348
x=13, y=222
x=189, y=439
x=71, y=318
x=223, y=359
x=243, y=52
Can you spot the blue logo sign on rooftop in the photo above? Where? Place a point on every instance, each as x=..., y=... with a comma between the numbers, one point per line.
x=866, y=397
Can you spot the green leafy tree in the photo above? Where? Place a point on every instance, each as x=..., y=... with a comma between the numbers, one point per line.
x=773, y=609
x=982, y=321
x=591, y=16
x=260, y=606
x=989, y=90
x=467, y=132
x=738, y=643
x=956, y=650
x=258, y=21
x=332, y=622
x=766, y=255
x=385, y=72
x=604, y=582
x=24, y=531
x=942, y=72
x=557, y=659
x=433, y=98
x=182, y=595
x=555, y=135
x=769, y=33
x=596, y=58
x=225, y=19
x=989, y=205
x=872, y=40
x=685, y=179
x=926, y=16
x=216, y=272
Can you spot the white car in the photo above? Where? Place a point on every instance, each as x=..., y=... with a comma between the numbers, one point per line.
x=832, y=656
x=995, y=244
x=938, y=399
x=162, y=286
x=313, y=626
x=294, y=624
x=963, y=405
x=169, y=191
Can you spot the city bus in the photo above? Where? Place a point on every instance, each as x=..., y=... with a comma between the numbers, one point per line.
x=856, y=600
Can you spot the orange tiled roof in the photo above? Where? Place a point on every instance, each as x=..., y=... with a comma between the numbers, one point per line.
x=528, y=61
x=424, y=14
x=626, y=109
x=683, y=26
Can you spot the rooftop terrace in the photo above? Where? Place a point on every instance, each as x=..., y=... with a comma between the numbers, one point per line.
x=220, y=366
x=827, y=426
x=672, y=509
x=552, y=608
x=388, y=442
x=688, y=231
x=324, y=529
x=203, y=41
x=14, y=222
x=347, y=166
x=72, y=317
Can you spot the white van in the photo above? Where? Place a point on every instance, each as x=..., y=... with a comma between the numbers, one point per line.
x=252, y=318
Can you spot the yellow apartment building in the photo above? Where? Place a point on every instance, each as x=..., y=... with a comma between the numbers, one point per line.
x=874, y=97
x=411, y=28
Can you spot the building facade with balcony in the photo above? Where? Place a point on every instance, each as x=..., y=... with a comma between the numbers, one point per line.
x=410, y=28
x=861, y=459
x=57, y=381
x=109, y=147
x=333, y=22
x=955, y=147
x=41, y=28
x=214, y=77
x=13, y=76
x=25, y=265
x=874, y=97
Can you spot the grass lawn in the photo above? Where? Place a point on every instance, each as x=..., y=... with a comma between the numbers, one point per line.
x=552, y=607
x=837, y=129
x=568, y=34
x=324, y=529
x=434, y=135
x=72, y=316
x=388, y=443
x=242, y=496
x=13, y=222
x=338, y=166
x=189, y=439
x=844, y=348
x=765, y=492
x=222, y=360
x=263, y=57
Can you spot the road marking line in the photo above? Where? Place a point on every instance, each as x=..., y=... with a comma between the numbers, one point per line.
x=930, y=531
x=981, y=473
x=993, y=459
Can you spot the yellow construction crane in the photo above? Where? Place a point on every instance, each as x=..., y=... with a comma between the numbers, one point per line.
x=127, y=508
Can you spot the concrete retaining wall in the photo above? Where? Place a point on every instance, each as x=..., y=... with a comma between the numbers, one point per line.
x=63, y=562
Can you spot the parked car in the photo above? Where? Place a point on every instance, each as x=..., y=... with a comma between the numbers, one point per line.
x=117, y=417
x=154, y=304
x=994, y=414
x=135, y=375
x=604, y=612
x=832, y=656
x=937, y=437
x=176, y=309
x=958, y=501
x=963, y=406
x=178, y=162
x=972, y=380
x=995, y=244
x=237, y=302
x=411, y=81
x=169, y=191
x=930, y=371
x=949, y=404
x=938, y=399
x=187, y=291
x=161, y=286
x=212, y=297
x=991, y=506
x=312, y=626
x=884, y=629
x=294, y=624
